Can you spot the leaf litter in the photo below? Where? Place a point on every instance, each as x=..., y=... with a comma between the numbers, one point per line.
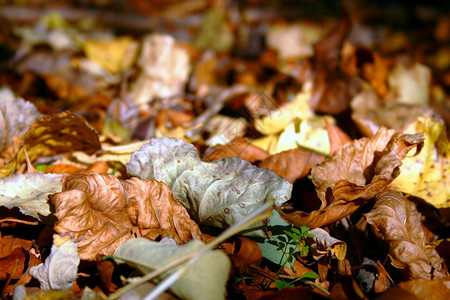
x=253, y=155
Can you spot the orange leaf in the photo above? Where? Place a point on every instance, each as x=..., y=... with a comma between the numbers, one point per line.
x=238, y=147
x=292, y=164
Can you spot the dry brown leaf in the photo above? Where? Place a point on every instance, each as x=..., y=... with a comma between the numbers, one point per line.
x=55, y=134
x=238, y=147
x=354, y=175
x=292, y=164
x=101, y=212
x=399, y=222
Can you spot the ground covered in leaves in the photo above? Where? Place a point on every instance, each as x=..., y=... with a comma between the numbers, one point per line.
x=224, y=149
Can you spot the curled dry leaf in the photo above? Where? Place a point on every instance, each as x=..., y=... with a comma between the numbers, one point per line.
x=218, y=193
x=354, y=175
x=101, y=212
x=55, y=134
x=399, y=222
x=292, y=164
x=323, y=243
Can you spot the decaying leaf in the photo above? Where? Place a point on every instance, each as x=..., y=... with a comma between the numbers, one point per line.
x=101, y=212
x=59, y=271
x=427, y=175
x=399, y=222
x=323, y=243
x=55, y=134
x=354, y=175
x=29, y=192
x=217, y=193
x=205, y=279
x=416, y=289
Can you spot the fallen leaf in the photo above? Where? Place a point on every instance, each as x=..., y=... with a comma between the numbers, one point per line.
x=410, y=84
x=399, y=222
x=14, y=264
x=205, y=279
x=293, y=41
x=354, y=175
x=337, y=137
x=238, y=147
x=370, y=113
x=62, y=168
x=9, y=243
x=59, y=270
x=292, y=125
x=16, y=115
x=323, y=243
x=165, y=68
x=101, y=212
x=29, y=192
x=214, y=32
x=292, y=164
x=115, y=55
x=55, y=134
x=427, y=175
x=242, y=252
x=217, y=193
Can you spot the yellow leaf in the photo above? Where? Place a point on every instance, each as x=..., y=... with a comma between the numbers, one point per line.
x=427, y=174
x=115, y=55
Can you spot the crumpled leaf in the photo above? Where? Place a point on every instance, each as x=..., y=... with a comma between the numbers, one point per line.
x=323, y=243
x=354, y=175
x=203, y=280
x=55, y=134
x=217, y=193
x=16, y=115
x=427, y=175
x=59, y=271
x=29, y=192
x=399, y=222
x=101, y=212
